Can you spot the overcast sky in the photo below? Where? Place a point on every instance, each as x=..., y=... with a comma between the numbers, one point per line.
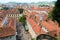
x=23, y=1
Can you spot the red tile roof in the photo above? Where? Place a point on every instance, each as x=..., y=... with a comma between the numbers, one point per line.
x=49, y=24
x=9, y=29
x=2, y=16
x=35, y=27
x=12, y=23
x=13, y=11
x=47, y=9
x=6, y=31
x=3, y=11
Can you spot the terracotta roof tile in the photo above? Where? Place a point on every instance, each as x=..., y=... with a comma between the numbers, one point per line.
x=13, y=11
x=2, y=16
x=9, y=29
x=6, y=31
x=35, y=27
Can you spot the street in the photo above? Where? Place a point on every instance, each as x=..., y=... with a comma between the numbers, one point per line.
x=21, y=33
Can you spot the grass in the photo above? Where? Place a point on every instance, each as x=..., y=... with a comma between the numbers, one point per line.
x=34, y=39
x=58, y=38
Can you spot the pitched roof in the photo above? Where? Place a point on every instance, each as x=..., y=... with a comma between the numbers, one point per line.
x=9, y=29
x=49, y=24
x=6, y=31
x=47, y=9
x=2, y=16
x=13, y=11
x=35, y=27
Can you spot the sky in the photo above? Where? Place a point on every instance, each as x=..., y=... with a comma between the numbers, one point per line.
x=24, y=1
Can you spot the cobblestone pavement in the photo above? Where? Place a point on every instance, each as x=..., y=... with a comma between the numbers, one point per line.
x=21, y=33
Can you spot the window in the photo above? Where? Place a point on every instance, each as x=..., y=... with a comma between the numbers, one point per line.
x=44, y=29
x=5, y=21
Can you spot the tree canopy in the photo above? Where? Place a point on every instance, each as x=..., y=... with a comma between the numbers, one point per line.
x=56, y=12
x=22, y=19
x=5, y=8
x=20, y=10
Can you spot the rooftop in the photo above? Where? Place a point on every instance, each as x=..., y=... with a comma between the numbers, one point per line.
x=9, y=29
x=13, y=11
x=2, y=16
x=47, y=24
x=47, y=9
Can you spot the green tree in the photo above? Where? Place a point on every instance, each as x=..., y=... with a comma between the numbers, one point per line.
x=5, y=8
x=23, y=20
x=20, y=10
x=56, y=12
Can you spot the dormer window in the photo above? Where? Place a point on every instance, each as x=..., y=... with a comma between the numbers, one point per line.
x=5, y=21
x=44, y=29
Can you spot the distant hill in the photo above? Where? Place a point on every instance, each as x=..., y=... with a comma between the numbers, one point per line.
x=13, y=3
x=46, y=3
x=53, y=2
x=41, y=3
